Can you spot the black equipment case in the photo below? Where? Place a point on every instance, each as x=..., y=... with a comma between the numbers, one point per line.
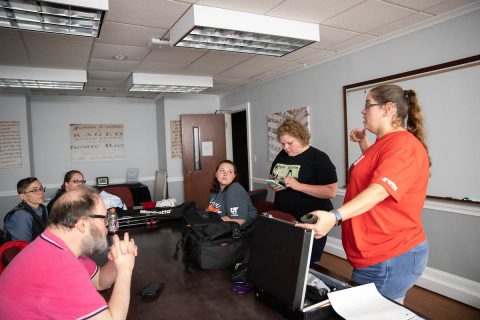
x=279, y=265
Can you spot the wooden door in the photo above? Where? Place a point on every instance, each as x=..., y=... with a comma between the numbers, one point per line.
x=203, y=145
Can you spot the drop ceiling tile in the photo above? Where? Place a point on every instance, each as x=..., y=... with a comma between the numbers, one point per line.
x=447, y=6
x=400, y=24
x=111, y=65
x=350, y=43
x=330, y=36
x=214, y=62
x=180, y=57
x=150, y=13
x=417, y=4
x=50, y=45
x=316, y=58
x=295, y=55
x=251, y=6
x=151, y=67
x=59, y=62
x=106, y=83
x=108, y=51
x=130, y=35
x=312, y=10
x=369, y=15
x=108, y=75
x=13, y=51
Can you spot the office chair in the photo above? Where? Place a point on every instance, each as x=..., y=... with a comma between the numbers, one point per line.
x=258, y=195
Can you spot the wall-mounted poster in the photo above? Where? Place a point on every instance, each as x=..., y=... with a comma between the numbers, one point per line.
x=273, y=122
x=10, y=144
x=96, y=142
x=176, y=138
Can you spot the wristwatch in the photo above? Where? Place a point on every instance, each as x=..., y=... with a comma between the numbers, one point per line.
x=337, y=216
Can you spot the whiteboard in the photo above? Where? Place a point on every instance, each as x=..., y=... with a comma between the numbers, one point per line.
x=450, y=101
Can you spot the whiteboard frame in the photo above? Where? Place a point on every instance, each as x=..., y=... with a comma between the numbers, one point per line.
x=422, y=72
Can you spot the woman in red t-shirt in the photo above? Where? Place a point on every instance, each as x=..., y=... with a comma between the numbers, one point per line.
x=382, y=231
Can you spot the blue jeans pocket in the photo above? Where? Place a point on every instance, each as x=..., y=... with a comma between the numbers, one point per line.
x=420, y=258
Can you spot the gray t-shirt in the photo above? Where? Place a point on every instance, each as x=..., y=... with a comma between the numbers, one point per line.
x=234, y=203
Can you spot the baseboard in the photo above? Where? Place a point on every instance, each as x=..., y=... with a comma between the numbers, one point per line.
x=444, y=283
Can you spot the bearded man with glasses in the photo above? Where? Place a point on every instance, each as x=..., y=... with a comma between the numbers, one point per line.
x=54, y=276
x=29, y=218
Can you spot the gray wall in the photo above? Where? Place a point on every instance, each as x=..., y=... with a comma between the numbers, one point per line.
x=49, y=142
x=453, y=236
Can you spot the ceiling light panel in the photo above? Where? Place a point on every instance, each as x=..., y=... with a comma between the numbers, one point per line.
x=74, y=17
x=42, y=78
x=219, y=29
x=149, y=82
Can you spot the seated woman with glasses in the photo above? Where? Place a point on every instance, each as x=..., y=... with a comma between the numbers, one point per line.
x=228, y=198
x=29, y=218
x=71, y=180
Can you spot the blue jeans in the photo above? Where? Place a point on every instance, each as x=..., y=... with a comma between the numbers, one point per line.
x=395, y=276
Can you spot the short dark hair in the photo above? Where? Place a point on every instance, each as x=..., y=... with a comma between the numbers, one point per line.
x=23, y=184
x=73, y=205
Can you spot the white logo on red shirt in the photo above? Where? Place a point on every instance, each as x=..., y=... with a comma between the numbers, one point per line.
x=390, y=183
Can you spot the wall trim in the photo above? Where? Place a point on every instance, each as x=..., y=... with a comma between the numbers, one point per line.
x=174, y=179
x=444, y=283
x=57, y=185
x=433, y=204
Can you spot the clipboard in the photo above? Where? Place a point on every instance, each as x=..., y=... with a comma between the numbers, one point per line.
x=275, y=183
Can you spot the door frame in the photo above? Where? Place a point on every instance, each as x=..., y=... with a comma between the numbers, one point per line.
x=228, y=136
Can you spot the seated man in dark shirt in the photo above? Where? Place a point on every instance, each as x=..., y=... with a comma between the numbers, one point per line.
x=29, y=218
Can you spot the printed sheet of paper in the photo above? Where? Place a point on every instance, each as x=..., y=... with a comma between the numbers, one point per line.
x=366, y=303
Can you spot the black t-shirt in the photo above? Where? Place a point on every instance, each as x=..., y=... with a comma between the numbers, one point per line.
x=311, y=167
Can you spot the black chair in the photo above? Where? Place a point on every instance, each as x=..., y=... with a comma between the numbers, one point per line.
x=258, y=195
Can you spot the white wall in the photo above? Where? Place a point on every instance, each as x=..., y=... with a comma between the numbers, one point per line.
x=51, y=119
x=453, y=234
x=14, y=108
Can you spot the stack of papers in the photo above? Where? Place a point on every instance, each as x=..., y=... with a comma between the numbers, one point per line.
x=366, y=303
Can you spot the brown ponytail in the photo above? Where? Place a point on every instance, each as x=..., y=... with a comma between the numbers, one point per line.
x=408, y=109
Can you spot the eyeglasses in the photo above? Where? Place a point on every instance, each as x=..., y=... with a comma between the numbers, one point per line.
x=99, y=216
x=39, y=190
x=223, y=171
x=79, y=181
x=369, y=105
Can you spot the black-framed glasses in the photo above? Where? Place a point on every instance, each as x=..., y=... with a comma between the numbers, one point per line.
x=79, y=181
x=99, y=216
x=39, y=190
x=369, y=105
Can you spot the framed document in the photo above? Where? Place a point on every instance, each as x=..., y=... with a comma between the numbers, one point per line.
x=102, y=181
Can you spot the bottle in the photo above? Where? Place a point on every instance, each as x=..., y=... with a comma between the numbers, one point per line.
x=112, y=220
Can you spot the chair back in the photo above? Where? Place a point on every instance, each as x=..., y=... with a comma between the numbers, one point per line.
x=123, y=193
x=258, y=195
x=281, y=215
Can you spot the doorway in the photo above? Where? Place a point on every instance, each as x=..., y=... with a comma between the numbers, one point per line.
x=238, y=139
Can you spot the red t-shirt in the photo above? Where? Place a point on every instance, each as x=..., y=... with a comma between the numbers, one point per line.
x=399, y=163
x=47, y=281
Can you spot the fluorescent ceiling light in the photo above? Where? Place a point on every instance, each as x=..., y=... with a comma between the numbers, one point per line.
x=42, y=78
x=75, y=17
x=220, y=29
x=151, y=82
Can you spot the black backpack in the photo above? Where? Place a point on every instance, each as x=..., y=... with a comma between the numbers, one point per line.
x=213, y=245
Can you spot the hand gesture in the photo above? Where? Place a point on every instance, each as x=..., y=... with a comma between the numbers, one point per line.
x=123, y=252
x=291, y=182
x=325, y=222
x=357, y=135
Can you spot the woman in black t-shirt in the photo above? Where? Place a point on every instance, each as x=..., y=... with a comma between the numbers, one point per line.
x=308, y=174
